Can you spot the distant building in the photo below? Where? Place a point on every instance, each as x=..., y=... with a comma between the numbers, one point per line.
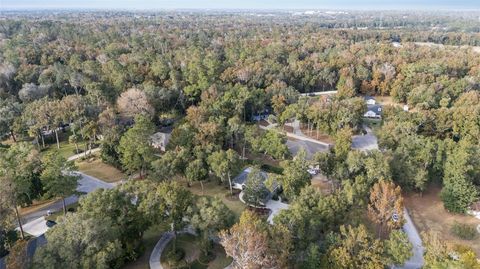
x=160, y=139
x=373, y=111
x=370, y=100
x=262, y=115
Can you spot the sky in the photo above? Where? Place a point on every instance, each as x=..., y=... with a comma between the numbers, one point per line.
x=239, y=4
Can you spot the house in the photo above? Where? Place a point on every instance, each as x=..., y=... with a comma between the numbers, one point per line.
x=160, y=139
x=373, y=111
x=262, y=115
x=370, y=100
x=240, y=182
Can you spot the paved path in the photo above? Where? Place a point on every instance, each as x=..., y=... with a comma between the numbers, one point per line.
x=83, y=154
x=158, y=249
x=276, y=207
x=416, y=261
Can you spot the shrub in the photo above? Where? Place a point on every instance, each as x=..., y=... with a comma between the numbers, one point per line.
x=464, y=231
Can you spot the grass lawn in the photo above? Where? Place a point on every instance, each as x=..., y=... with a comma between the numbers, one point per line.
x=213, y=189
x=427, y=213
x=191, y=246
x=150, y=238
x=96, y=168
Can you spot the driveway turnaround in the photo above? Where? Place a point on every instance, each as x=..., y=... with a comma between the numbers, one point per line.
x=36, y=227
x=365, y=142
x=275, y=207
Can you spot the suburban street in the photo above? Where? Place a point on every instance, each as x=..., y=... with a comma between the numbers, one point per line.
x=32, y=223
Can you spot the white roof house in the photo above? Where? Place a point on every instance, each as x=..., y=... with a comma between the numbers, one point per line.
x=160, y=140
x=370, y=100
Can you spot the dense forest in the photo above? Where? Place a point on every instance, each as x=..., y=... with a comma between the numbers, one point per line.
x=115, y=78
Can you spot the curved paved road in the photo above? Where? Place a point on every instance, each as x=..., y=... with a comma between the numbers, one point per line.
x=158, y=249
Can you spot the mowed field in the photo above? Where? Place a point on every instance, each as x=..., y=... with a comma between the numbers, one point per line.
x=428, y=213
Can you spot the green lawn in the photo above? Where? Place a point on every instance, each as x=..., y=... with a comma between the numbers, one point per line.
x=191, y=245
x=96, y=168
x=213, y=189
x=66, y=149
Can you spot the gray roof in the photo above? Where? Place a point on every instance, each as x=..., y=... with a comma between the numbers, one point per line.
x=377, y=109
x=242, y=177
x=368, y=98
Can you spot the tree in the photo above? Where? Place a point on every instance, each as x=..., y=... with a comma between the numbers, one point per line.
x=436, y=250
x=19, y=175
x=90, y=131
x=196, y=171
x=169, y=202
x=295, y=175
x=31, y=92
x=273, y=143
x=461, y=169
x=135, y=147
x=343, y=143
x=74, y=139
x=224, y=164
x=210, y=216
x=81, y=242
x=397, y=248
x=255, y=190
x=10, y=110
x=134, y=102
x=58, y=177
x=247, y=242
x=386, y=201
x=355, y=248
x=18, y=257
x=116, y=207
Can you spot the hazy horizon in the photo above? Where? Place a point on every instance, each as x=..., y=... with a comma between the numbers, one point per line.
x=245, y=4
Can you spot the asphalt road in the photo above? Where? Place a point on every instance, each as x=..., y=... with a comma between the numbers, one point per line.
x=86, y=184
x=365, y=142
x=294, y=145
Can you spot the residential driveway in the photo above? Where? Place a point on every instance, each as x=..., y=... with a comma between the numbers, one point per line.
x=36, y=227
x=78, y=156
x=294, y=145
x=365, y=142
x=276, y=207
x=86, y=184
x=416, y=261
